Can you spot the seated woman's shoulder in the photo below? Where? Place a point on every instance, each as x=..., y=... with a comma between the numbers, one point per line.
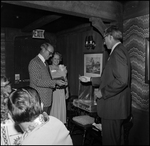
x=55, y=121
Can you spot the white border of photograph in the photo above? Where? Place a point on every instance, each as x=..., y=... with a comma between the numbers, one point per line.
x=93, y=64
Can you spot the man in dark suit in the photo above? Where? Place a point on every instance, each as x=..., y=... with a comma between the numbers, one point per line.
x=114, y=100
x=113, y=96
x=40, y=77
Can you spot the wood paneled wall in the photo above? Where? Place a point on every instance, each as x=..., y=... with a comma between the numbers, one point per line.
x=3, y=56
x=8, y=49
x=72, y=47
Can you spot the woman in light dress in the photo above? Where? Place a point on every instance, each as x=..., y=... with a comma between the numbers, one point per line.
x=60, y=95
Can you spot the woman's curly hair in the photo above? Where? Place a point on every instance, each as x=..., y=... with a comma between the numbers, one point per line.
x=4, y=97
x=4, y=108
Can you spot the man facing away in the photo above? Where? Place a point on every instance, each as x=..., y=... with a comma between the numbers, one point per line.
x=40, y=77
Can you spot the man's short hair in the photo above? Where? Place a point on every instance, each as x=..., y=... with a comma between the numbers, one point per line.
x=45, y=45
x=113, y=31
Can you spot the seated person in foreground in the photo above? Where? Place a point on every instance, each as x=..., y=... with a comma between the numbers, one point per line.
x=9, y=131
x=39, y=128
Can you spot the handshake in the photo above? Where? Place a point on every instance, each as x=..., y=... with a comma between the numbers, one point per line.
x=85, y=79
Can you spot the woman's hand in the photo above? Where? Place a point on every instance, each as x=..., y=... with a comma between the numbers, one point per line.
x=65, y=79
x=67, y=93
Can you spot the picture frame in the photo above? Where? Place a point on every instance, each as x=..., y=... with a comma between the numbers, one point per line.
x=147, y=60
x=93, y=64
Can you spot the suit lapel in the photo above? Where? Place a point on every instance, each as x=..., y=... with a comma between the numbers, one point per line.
x=44, y=66
x=40, y=62
x=47, y=66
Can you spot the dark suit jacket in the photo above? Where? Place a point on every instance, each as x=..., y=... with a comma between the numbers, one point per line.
x=115, y=86
x=40, y=79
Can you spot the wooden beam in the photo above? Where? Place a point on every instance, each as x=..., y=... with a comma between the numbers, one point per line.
x=98, y=24
x=75, y=29
x=41, y=22
x=134, y=9
x=106, y=10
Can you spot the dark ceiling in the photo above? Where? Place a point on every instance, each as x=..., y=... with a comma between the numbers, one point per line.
x=28, y=19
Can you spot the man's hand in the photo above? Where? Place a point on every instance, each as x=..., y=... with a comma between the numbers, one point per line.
x=84, y=79
x=98, y=93
x=61, y=83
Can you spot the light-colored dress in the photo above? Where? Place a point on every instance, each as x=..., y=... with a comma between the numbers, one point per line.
x=58, y=108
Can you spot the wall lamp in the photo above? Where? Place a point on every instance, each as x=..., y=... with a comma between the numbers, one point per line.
x=89, y=42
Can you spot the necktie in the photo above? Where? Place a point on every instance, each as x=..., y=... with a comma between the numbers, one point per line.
x=47, y=66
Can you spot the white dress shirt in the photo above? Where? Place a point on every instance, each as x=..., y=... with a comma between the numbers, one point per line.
x=114, y=47
x=42, y=58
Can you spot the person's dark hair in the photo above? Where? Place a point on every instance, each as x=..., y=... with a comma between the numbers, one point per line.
x=24, y=105
x=60, y=56
x=56, y=53
x=113, y=31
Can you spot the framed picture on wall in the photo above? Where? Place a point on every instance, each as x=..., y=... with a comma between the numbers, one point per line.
x=147, y=60
x=93, y=64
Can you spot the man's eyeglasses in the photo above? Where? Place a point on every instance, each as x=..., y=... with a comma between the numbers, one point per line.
x=105, y=36
x=50, y=53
